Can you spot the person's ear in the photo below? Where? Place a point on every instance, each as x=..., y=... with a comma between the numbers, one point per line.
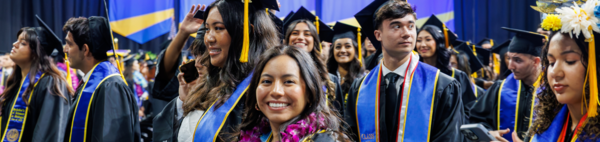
x=377, y=35
x=86, y=50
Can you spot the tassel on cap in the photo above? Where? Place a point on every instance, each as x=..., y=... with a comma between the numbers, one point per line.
x=358, y=34
x=317, y=26
x=474, y=51
x=491, y=42
x=246, y=41
x=593, y=78
x=69, y=80
x=496, y=64
x=446, y=36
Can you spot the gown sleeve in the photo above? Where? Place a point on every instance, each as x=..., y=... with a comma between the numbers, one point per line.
x=165, y=123
x=117, y=111
x=448, y=113
x=350, y=110
x=483, y=111
x=53, y=111
x=166, y=86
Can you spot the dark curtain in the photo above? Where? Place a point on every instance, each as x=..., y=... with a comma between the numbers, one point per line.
x=478, y=19
x=15, y=14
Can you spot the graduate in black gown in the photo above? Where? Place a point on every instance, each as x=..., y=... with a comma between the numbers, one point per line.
x=301, y=31
x=36, y=103
x=401, y=99
x=434, y=48
x=496, y=109
x=345, y=61
x=105, y=107
x=501, y=50
x=463, y=58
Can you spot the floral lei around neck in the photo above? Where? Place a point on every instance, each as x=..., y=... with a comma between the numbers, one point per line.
x=293, y=132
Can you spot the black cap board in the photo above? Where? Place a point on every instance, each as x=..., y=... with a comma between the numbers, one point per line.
x=48, y=40
x=342, y=30
x=288, y=16
x=526, y=42
x=485, y=41
x=325, y=33
x=483, y=55
x=502, y=48
x=435, y=21
x=474, y=63
x=366, y=19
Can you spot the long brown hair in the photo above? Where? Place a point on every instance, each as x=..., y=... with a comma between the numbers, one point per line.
x=220, y=82
x=40, y=62
x=548, y=106
x=315, y=54
x=317, y=102
x=355, y=70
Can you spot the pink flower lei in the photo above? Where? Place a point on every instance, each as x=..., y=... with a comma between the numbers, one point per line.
x=292, y=133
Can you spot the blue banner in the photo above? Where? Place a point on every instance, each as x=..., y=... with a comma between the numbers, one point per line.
x=141, y=20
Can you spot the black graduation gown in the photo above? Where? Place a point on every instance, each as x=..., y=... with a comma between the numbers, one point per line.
x=165, y=124
x=468, y=95
x=113, y=114
x=485, y=110
x=47, y=114
x=165, y=89
x=447, y=115
x=339, y=95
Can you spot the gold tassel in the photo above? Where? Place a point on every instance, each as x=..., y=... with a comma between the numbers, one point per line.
x=119, y=66
x=446, y=36
x=474, y=74
x=317, y=24
x=246, y=42
x=267, y=11
x=358, y=34
x=496, y=63
x=492, y=42
x=474, y=51
x=69, y=81
x=593, y=77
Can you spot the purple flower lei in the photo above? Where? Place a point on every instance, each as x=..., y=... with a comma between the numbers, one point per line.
x=292, y=133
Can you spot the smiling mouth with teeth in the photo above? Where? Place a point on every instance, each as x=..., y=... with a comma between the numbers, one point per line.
x=278, y=105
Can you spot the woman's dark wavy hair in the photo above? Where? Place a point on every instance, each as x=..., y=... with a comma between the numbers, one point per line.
x=317, y=102
x=443, y=54
x=221, y=82
x=40, y=62
x=315, y=53
x=355, y=70
x=462, y=60
x=548, y=106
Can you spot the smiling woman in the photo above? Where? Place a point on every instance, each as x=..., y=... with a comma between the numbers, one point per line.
x=285, y=101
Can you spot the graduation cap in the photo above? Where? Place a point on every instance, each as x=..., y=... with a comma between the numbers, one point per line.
x=285, y=20
x=325, y=33
x=501, y=67
x=474, y=63
x=47, y=38
x=486, y=41
x=50, y=42
x=342, y=30
x=483, y=54
x=449, y=36
x=366, y=19
x=526, y=42
x=128, y=61
x=277, y=21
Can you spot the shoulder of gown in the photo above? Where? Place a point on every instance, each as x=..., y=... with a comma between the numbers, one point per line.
x=484, y=110
x=165, y=123
x=48, y=112
x=114, y=112
x=448, y=110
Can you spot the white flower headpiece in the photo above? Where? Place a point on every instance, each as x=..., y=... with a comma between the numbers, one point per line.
x=576, y=20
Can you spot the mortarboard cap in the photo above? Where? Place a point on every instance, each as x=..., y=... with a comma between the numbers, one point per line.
x=342, y=30
x=483, y=55
x=474, y=63
x=325, y=33
x=48, y=40
x=366, y=19
x=526, y=42
x=449, y=36
x=502, y=48
x=288, y=17
x=486, y=41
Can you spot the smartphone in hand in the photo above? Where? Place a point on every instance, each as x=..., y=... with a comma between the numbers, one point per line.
x=190, y=73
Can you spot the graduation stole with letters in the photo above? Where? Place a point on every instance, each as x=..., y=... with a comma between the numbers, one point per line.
x=100, y=73
x=212, y=121
x=423, y=82
x=18, y=111
x=508, y=104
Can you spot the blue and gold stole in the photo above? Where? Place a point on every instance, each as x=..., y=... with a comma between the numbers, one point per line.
x=18, y=111
x=418, y=109
x=212, y=121
x=508, y=104
x=100, y=73
x=553, y=132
